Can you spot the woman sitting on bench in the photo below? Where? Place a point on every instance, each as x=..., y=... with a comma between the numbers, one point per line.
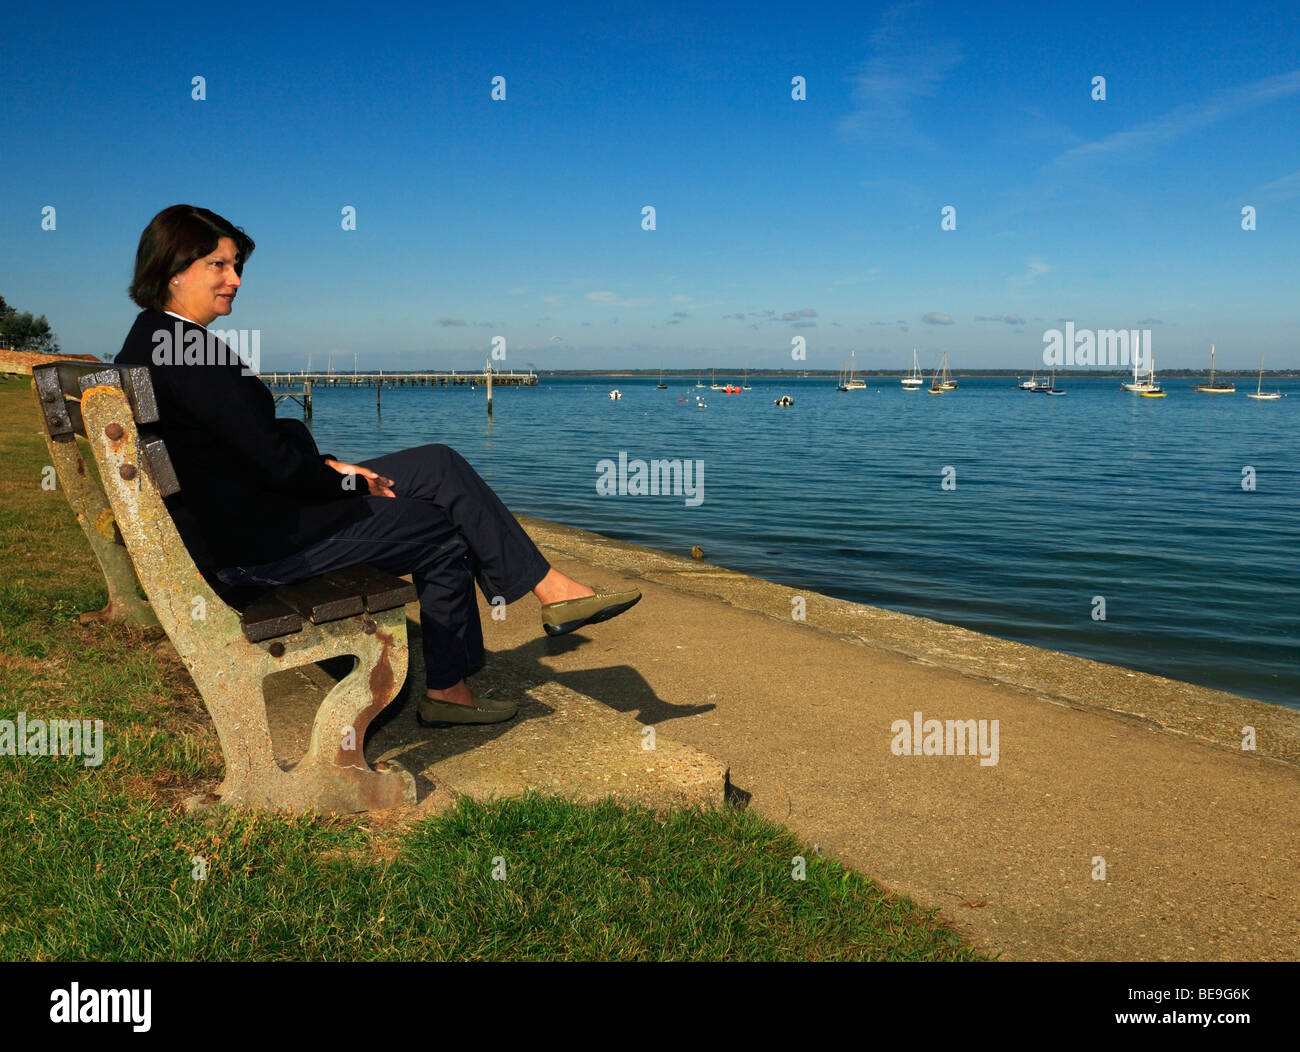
x=259, y=504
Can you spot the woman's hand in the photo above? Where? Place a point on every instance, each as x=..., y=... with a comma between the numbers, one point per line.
x=377, y=484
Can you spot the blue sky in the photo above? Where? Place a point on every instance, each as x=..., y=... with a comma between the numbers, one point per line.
x=774, y=217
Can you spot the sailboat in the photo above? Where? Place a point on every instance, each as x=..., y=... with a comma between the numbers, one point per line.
x=1033, y=383
x=938, y=384
x=937, y=387
x=1262, y=395
x=745, y=386
x=1152, y=389
x=699, y=379
x=661, y=385
x=913, y=380
x=1051, y=388
x=716, y=386
x=851, y=384
x=1212, y=387
x=1138, y=386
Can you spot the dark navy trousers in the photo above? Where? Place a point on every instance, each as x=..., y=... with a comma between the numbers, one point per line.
x=447, y=529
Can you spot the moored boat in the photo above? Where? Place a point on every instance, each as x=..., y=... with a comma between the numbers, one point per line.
x=938, y=384
x=1212, y=388
x=913, y=380
x=1138, y=386
x=1051, y=388
x=851, y=384
x=1260, y=394
x=1152, y=389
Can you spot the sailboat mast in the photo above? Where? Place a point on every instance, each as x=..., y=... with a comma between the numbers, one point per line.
x=1211, y=365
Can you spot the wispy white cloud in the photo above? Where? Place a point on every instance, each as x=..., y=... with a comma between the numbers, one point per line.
x=907, y=65
x=612, y=299
x=1034, y=268
x=1279, y=189
x=1183, y=120
x=935, y=318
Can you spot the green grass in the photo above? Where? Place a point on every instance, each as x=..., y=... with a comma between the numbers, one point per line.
x=99, y=863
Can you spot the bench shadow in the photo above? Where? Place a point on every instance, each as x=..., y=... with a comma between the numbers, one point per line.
x=396, y=735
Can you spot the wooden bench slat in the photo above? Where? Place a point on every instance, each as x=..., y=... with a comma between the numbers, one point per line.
x=153, y=451
x=58, y=421
x=261, y=615
x=318, y=600
x=380, y=589
x=133, y=379
x=266, y=618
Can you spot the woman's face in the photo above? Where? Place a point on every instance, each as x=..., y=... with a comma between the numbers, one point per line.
x=206, y=288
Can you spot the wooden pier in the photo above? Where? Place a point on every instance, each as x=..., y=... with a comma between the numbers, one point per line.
x=288, y=390
x=390, y=380
x=297, y=387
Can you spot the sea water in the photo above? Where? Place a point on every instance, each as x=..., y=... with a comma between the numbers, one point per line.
x=1158, y=534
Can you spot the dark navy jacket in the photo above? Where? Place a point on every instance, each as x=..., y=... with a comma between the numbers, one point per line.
x=254, y=488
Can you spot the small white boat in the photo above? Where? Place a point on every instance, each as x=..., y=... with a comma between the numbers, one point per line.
x=1051, y=388
x=615, y=395
x=913, y=380
x=783, y=400
x=1260, y=394
x=1141, y=387
x=1033, y=383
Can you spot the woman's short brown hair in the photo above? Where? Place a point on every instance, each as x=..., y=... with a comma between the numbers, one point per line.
x=174, y=239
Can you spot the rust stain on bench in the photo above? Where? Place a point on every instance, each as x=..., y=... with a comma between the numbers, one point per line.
x=383, y=685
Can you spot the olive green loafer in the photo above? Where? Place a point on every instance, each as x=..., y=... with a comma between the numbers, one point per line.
x=569, y=614
x=444, y=714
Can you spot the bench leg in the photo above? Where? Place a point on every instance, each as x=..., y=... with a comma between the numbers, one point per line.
x=333, y=775
x=95, y=518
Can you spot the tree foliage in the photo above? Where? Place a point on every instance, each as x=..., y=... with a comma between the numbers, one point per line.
x=22, y=331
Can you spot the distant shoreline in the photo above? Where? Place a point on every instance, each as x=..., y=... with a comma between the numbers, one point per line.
x=824, y=374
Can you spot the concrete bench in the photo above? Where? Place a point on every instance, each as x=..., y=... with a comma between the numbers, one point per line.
x=230, y=639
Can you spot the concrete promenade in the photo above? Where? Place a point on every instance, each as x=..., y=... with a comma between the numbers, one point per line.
x=1200, y=839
